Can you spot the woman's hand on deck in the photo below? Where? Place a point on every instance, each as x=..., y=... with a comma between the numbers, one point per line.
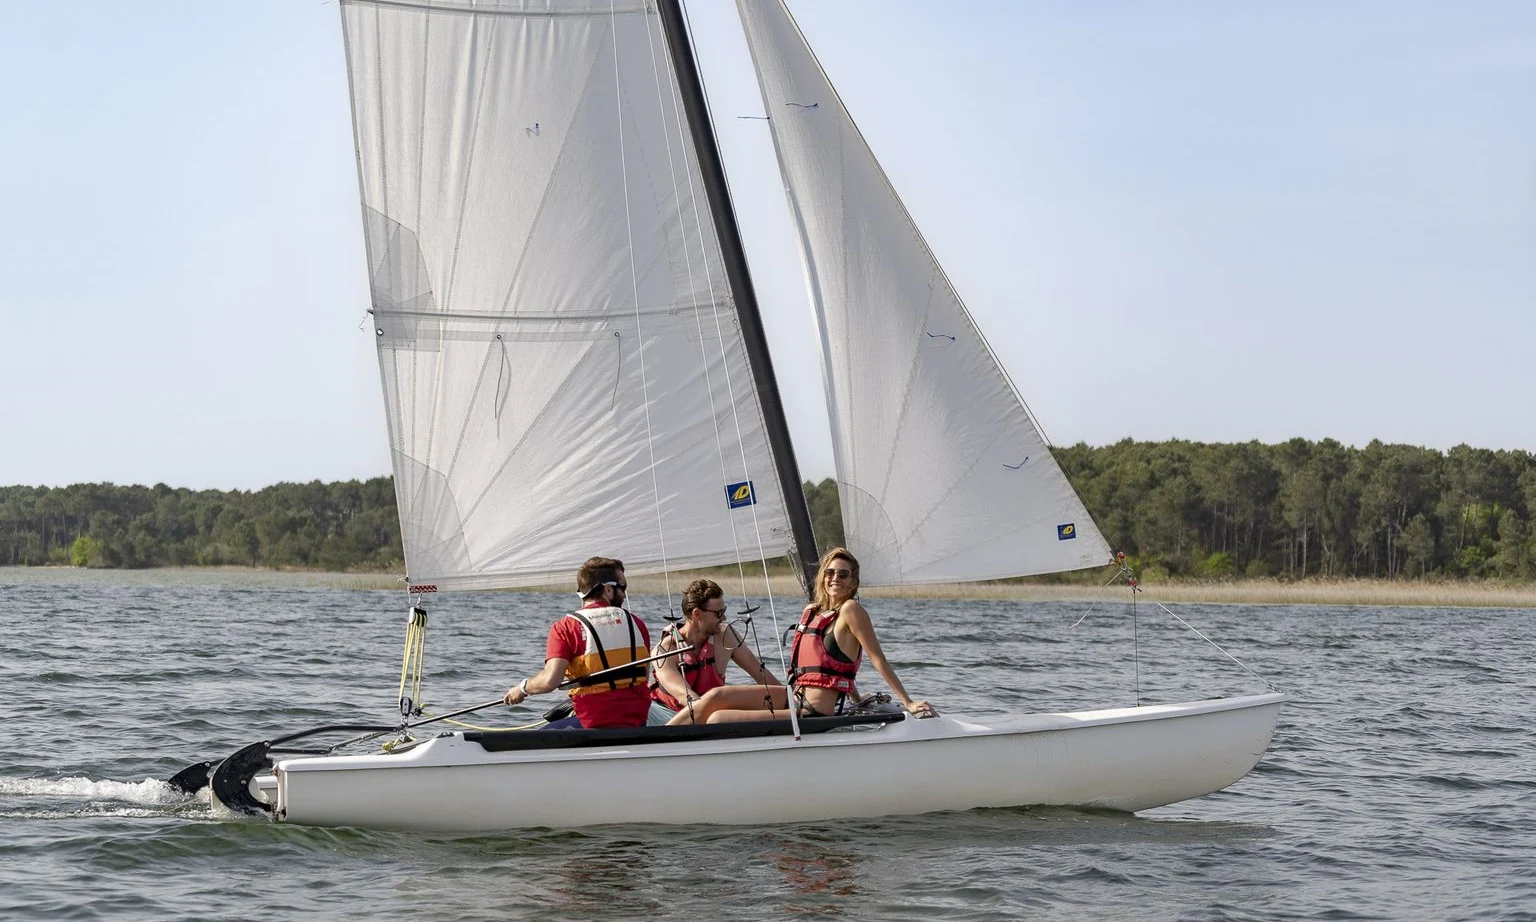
x=920, y=709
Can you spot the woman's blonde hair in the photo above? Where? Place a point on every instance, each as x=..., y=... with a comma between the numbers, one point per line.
x=823, y=597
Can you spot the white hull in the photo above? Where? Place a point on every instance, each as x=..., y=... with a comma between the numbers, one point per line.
x=1122, y=759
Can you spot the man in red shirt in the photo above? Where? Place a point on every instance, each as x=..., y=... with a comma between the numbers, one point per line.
x=597, y=640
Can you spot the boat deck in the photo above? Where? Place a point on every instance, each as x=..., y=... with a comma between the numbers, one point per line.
x=519, y=740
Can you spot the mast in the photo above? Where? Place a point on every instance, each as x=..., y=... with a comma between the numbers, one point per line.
x=740, y=279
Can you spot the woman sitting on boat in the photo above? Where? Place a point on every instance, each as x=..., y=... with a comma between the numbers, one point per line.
x=712, y=645
x=831, y=639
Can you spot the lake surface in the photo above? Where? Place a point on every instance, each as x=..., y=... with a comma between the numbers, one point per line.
x=1401, y=783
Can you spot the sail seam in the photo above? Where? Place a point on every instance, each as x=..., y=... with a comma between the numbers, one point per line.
x=914, y=366
x=466, y=181
x=392, y=385
x=533, y=424
x=634, y=280
x=421, y=118
x=491, y=352
x=476, y=10
x=453, y=264
x=555, y=173
x=572, y=317
x=421, y=136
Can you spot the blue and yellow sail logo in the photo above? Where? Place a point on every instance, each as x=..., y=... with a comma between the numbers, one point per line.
x=740, y=494
x=1066, y=532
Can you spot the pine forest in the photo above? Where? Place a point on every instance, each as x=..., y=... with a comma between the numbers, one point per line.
x=1180, y=510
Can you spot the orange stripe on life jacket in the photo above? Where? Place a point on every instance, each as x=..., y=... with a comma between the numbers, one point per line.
x=610, y=639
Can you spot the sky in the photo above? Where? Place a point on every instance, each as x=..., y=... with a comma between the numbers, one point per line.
x=1196, y=220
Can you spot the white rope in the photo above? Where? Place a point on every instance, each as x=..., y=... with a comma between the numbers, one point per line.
x=1125, y=573
x=688, y=268
x=725, y=364
x=731, y=395
x=1218, y=646
x=709, y=284
x=645, y=397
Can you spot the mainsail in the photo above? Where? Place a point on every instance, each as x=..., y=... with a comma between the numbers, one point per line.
x=942, y=474
x=562, y=366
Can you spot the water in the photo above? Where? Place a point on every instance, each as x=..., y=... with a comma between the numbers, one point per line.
x=1400, y=784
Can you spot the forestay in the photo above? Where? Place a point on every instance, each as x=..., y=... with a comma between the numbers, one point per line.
x=942, y=475
x=562, y=367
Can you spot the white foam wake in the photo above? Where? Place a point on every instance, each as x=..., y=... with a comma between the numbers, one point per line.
x=148, y=791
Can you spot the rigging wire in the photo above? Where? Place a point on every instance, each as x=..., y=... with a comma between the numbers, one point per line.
x=702, y=235
x=634, y=279
x=1135, y=637
x=1124, y=572
x=730, y=386
x=709, y=390
x=1218, y=646
x=678, y=118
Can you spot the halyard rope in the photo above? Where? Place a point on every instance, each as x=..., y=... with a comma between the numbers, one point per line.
x=634, y=281
x=714, y=300
x=740, y=441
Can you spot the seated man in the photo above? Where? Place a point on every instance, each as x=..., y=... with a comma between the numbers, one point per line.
x=710, y=646
x=598, y=640
x=831, y=639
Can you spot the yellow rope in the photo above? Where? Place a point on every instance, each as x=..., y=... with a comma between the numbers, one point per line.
x=469, y=726
x=413, y=660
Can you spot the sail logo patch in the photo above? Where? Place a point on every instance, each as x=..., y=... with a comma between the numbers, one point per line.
x=1066, y=532
x=740, y=494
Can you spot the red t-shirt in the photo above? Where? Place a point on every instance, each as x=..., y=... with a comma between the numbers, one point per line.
x=619, y=707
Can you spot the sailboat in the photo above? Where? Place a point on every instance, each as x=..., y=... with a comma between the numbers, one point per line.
x=573, y=362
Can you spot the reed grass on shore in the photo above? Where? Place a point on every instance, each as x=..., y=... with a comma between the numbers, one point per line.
x=1245, y=592
x=1441, y=594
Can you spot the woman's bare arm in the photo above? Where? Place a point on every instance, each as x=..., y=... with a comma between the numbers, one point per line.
x=863, y=630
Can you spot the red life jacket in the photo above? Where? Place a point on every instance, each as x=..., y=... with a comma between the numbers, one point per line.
x=698, y=665
x=814, y=658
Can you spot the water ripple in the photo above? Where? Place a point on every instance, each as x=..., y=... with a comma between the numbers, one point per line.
x=1397, y=786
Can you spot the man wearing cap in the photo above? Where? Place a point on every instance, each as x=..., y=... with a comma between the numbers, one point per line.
x=593, y=646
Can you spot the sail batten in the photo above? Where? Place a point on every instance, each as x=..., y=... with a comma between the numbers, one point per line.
x=942, y=474
x=547, y=299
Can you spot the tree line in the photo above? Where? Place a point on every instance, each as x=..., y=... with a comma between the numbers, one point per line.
x=1298, y=509
x=1178, y=509
x=349, y=525
x=1308, y=509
